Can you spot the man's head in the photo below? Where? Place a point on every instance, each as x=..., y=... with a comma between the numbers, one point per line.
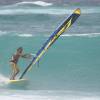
x=20, y=49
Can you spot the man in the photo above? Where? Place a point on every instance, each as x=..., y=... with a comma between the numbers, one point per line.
x=14, y=61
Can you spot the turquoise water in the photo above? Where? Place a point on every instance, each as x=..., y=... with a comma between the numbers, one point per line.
x=71, y=63
x=71, y=67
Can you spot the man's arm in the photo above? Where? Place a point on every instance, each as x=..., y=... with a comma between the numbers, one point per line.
x=27, y=56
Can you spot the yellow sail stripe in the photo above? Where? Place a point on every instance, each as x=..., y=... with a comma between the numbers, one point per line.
x=59, y=33
x=55, y=37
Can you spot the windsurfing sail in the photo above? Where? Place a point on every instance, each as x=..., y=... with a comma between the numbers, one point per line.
x=54, y=36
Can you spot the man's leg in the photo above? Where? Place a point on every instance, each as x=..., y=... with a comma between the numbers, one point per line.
x=12, y=74
x=15, y=71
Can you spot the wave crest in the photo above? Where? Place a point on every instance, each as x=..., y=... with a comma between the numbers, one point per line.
x=64, y=35
x=38, y=3
x=3, y=80
x=29, y=8
x=3, y=33
x=82, y=35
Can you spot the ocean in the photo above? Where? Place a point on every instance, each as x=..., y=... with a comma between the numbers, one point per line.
x=69, y=70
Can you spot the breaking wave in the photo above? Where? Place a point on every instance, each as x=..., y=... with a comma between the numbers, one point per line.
x=40, y=7
x=39, y=3
x=45, y=35
x=28, y=4
x=3, y=80
x=82, y=35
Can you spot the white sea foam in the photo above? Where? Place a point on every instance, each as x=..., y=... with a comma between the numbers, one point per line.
x=25, y=8
x=65, y=35
x=3, y=80
x=82, y=35
x=24, y=35
x=21, y=11
x=79, y=35
x=52, y=10
x=39, y=3
x=3, y=33
x=33, y=95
